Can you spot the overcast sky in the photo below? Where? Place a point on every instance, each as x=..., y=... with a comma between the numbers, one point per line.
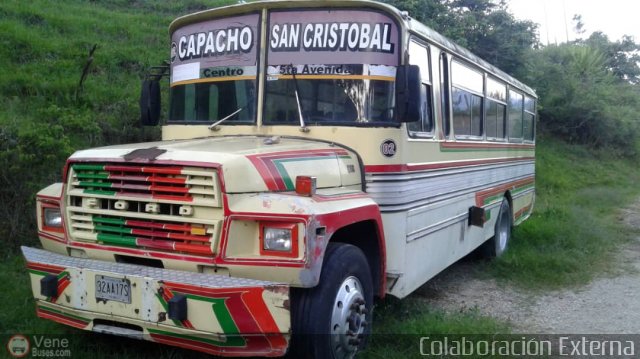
x=613, y=17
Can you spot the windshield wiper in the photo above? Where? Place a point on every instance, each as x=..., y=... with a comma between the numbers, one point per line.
x=214, y=126
x=303, y=127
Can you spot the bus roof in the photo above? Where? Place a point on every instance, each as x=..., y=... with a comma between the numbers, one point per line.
x=403, y=18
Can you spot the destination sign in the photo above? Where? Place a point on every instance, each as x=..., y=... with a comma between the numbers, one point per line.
x=332, y=37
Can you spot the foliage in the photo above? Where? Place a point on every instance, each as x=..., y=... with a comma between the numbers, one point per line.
x=46, y=113
x=483, y=26
x=582, y=100
x=621, y=57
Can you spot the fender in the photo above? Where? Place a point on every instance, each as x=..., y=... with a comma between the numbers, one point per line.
x=323, y=215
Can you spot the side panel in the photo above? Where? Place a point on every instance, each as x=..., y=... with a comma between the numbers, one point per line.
x=425, y=212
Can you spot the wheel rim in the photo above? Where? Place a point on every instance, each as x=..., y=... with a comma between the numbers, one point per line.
x=348, y=318
x=503, y=231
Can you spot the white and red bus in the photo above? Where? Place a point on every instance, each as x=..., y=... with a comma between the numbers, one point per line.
x=316, y=155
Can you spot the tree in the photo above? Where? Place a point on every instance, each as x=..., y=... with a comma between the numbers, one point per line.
x=622, y=56
x=582, y=101
x=485, y=27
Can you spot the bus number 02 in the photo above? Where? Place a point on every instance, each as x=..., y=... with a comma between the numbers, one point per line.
x=388, y=148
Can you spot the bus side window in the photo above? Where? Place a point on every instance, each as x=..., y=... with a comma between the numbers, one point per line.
x=467, y=92
x=495, y=111
x=515, y=116
x=419, y=55
x=528, y=123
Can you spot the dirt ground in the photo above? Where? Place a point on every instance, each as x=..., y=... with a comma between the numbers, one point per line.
x=607, y=305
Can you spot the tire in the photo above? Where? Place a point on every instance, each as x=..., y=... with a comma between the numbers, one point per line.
x=499, y=243
x=333, y=319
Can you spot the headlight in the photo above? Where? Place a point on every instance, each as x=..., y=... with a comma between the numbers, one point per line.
x=279, y=239
x=52, y=217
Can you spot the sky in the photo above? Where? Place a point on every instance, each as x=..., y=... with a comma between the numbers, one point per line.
x=615, y=18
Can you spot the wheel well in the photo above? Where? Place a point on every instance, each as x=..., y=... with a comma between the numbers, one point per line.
x=507, y=195
x=364, y=235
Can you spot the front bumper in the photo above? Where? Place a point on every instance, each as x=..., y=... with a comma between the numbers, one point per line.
x=224, y=315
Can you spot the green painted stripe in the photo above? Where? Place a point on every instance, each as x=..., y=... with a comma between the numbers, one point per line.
x=109, y=220
x=38, y=272
x=103, y=228
x=49, y=309
x=100, y=175
x=98, y=191
x=288, y=182
x=63, y=274
x=117, y=240
x=220, y=310
x=232, y=341
x=86, y=167
x=95, y=184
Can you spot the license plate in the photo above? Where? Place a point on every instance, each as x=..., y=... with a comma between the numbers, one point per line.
x=110, y=288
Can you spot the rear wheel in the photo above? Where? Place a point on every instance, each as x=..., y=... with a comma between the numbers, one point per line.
x=497, y=245
x=333, y=319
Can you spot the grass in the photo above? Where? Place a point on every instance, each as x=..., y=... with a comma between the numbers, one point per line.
x=575, y=232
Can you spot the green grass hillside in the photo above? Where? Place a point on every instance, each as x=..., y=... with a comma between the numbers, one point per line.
x=46, y=114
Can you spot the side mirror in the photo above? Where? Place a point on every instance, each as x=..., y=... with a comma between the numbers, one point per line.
x=150, y=103
x=408, y=89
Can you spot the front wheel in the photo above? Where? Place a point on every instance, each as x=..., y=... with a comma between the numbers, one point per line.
x=333, y=319
x=497, y=245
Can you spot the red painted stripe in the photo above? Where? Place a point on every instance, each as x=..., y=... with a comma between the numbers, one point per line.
x=264, y=172
x=143, y=169
x=150, y=243
x=262, y=315
x=62, y=285
x=173, y=198
x=482, y=195
x=55, y=200
x=444, y=165
x=193, y=248
x=167, y=180
x=174, y=227
x=143, y=232
x=144, y=253
x=163, y=170
x=251, y=350
x=129, y=178
x=42, y=313
x=51, y=237
x=45, y=267
x=189, y=237
x=169, y=189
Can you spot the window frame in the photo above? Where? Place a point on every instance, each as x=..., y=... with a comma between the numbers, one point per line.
x=473, y=92
x=429, y=114
x=497, y=101
x=522, y=95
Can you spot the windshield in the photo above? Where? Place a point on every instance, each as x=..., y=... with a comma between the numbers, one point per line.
x=329, y=102
x=341, y=62
x=209, y=102
x=214, y=67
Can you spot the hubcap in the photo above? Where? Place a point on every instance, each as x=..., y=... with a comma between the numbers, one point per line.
x=348, y=318
x=503, y=231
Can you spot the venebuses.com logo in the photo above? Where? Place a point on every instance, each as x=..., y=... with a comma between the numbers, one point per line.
x=38, y=346
x=18, y=346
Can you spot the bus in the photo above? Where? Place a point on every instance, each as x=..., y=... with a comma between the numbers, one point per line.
x=316, y=156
